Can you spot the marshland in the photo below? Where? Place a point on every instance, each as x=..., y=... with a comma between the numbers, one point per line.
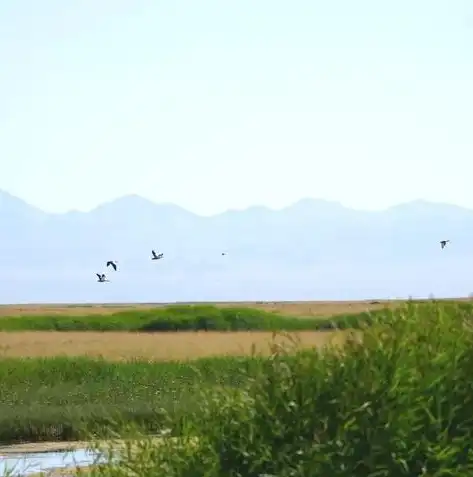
x=383, y=391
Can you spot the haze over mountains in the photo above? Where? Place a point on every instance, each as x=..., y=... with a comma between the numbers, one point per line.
x=313, y=249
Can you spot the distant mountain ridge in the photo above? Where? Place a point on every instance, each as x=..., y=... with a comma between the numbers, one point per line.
x=292, y=248
x=308, y=224
x=308, y=205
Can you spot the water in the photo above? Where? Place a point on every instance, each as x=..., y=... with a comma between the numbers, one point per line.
x=26, y=464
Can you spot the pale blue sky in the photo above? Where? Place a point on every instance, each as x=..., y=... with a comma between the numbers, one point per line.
x=216, y=104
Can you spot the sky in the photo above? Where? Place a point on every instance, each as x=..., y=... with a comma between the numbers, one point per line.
x=225, y=104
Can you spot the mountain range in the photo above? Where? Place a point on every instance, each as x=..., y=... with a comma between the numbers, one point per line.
x=313, y=249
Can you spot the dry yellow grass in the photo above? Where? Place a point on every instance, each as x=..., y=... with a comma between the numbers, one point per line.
x=301, y=308
x=152, y=346
x=164, y=346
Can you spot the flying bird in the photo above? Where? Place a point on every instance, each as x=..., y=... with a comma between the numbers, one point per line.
x=156, y=256
x=102, y=277
x=224, y=253
x=113, y=264
x=443, y=243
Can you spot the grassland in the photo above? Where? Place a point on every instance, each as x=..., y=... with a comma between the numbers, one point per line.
x=64, y=399
x=173, y=318
x=62, y=393
x=397, y=402
x=210, y=330
x=291, y=308
x=119, y=346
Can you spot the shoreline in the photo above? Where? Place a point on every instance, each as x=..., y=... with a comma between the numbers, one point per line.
x=42, y=447
x=71, y=446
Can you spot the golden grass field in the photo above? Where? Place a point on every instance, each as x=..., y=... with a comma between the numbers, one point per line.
x=151, y=346
x=165, y=346
x=168, y=346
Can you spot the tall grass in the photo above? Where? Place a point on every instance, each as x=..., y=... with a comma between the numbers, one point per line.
x=68, y=399
x=397, y=403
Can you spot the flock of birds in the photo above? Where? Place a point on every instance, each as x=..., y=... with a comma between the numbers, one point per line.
x=102, y=278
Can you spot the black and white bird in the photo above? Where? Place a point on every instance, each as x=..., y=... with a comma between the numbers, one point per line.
x=224, y=253
x=156, y=256
x=101, y=277
x=113, y=264
x=443, y=243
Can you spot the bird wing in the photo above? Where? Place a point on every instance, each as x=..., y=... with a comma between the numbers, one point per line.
x=98, y=274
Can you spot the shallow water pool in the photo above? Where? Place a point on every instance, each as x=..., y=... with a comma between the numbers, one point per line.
x=26, y=464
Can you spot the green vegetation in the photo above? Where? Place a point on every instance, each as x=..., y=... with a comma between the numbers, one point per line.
x=67, y=399
x=173, y=318
x=398, y=403
x=187, y=318
x=212, y=318
x=421, y=309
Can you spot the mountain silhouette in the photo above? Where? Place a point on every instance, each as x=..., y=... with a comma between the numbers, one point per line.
x=312, y=249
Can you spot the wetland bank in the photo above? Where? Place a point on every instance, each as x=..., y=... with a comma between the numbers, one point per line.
x=329, y=410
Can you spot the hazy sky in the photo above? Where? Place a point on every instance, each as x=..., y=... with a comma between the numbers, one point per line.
x=215, y=104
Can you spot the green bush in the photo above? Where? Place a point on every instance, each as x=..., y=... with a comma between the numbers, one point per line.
x=385, y=315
